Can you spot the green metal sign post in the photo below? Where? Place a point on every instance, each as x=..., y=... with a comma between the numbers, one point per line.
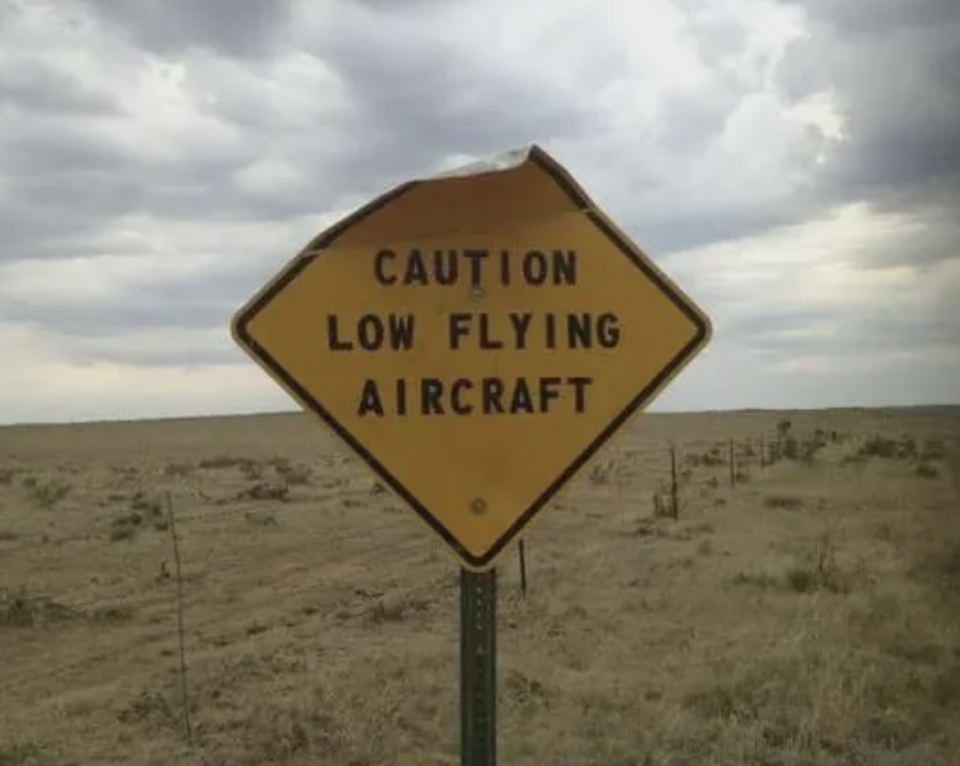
x=478, y=667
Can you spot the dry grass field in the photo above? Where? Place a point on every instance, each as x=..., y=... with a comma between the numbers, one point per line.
x=809, y=615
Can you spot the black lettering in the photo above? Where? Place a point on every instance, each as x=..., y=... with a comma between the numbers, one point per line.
x=401, y=396
x=487, y=341
x=608, y=331
x=458, y=327
x=459, y=406
x=521, y=402
x=564, y=267
x=504, y=267
x=370, y=399
x=492, y=396
x=333, y=335
x=416, y=272
x=550, y=341
x=401, y=331
x=521, y=325
x=445, y=264
x=476, y=258
x=578, y=331
x=380, y=266
x=431, y=389
x=370, y=332
x=548, y=392
x=579, y=393
x=534, y=268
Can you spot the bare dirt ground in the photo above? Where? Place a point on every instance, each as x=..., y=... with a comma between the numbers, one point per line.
x=810, y=615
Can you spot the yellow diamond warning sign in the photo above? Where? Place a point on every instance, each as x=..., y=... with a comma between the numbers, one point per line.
x=475, y=338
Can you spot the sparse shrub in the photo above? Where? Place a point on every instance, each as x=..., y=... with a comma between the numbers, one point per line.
x=754, y=579
x=821, y=574
x=600, y=473
x=150, y=706
x=812, y=447
x=932, y=450
x=251, y=470
x=710, y=459
x=223, y=462
x=151, y=508
x=787, y=502
x=946, y=686
x=29, y=482
x=21, y=754
x=132, y=519
x=715, y=457
x=663, y=506
x=801, y=580
x=23, y=611
x=951, y=561
x=122, y=532
x=395, y=609
x=178, y=469
x=265, y=491
x=927, y=471
x=6, y=476
x=856, y=460
x=295, y=475
x=6, y=536
x=48, y=493
x=911, y=648
x=261, y=518
x=774, y=452
x=879, y=446
x=907, y=448
x=885, y=531
x=279, y=463
x=790, y=448
x=112, y=614
x=124, y=526
x=521, y=688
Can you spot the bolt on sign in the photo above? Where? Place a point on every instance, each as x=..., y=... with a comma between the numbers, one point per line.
x=475, y=337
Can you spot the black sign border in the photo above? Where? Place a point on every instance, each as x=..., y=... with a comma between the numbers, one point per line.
x=316, y=250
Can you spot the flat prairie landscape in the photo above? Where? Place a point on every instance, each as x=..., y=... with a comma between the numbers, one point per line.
x=807, y=615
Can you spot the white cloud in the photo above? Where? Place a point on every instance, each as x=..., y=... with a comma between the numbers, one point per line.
x=154, y=172
x=41, y=383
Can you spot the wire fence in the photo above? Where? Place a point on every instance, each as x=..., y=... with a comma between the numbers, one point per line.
x=667, y=468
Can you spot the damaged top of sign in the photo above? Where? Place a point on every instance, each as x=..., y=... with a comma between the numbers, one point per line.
x=475, y=338
x=503, y=161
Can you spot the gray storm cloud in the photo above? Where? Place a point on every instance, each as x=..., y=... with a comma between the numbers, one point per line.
x=166, y=117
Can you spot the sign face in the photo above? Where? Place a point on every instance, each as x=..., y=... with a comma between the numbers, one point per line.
x=475, y=338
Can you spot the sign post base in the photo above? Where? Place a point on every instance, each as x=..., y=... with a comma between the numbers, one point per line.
x=478, y=667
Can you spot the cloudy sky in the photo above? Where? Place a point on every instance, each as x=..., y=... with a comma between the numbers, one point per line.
x=793, y=164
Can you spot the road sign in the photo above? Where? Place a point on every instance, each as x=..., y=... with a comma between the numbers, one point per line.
x=475, y=338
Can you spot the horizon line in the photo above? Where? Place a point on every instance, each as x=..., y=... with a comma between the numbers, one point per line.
x=293, y=412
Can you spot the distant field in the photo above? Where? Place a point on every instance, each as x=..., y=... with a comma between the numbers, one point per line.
x=809, y=615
